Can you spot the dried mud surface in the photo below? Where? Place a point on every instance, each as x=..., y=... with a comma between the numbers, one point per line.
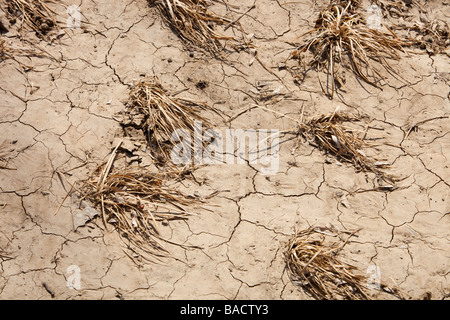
x=57, y=123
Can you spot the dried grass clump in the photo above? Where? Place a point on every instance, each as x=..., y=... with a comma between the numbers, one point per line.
x=160, y=115
x=34, y=15
x=193, y=23
x=313, y=263
x=341, y=37
x=134, y=201
x=329, y=133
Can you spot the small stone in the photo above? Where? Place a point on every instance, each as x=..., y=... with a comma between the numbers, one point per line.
x=138, y=120
x=133, y=159
x=126, y=144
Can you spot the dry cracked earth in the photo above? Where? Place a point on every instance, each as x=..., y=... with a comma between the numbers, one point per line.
x=57, y=124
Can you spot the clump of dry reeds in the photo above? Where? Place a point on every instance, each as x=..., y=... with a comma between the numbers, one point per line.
x=3, y=256
x=329, y=133
x=193, y=23
x=161, y=116
x=134, y=201
x=342, y=37
x=313, y=263
x=434, y=36
x=34, y=15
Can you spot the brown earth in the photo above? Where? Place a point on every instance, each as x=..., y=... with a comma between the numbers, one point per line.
x=58, y=123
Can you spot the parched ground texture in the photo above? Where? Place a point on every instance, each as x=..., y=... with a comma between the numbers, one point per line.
x=58, y=122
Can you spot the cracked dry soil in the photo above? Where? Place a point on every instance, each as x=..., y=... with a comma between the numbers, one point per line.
x=57, y=124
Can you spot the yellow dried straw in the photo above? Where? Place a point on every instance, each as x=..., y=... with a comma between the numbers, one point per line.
x=162, y=115
x=329, y=133
x=313, y=263
x=341, y=36
x=193, y=23
x=134, y=201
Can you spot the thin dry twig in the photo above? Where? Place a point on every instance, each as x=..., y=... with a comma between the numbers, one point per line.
x=240, y=17
x=415, y=126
